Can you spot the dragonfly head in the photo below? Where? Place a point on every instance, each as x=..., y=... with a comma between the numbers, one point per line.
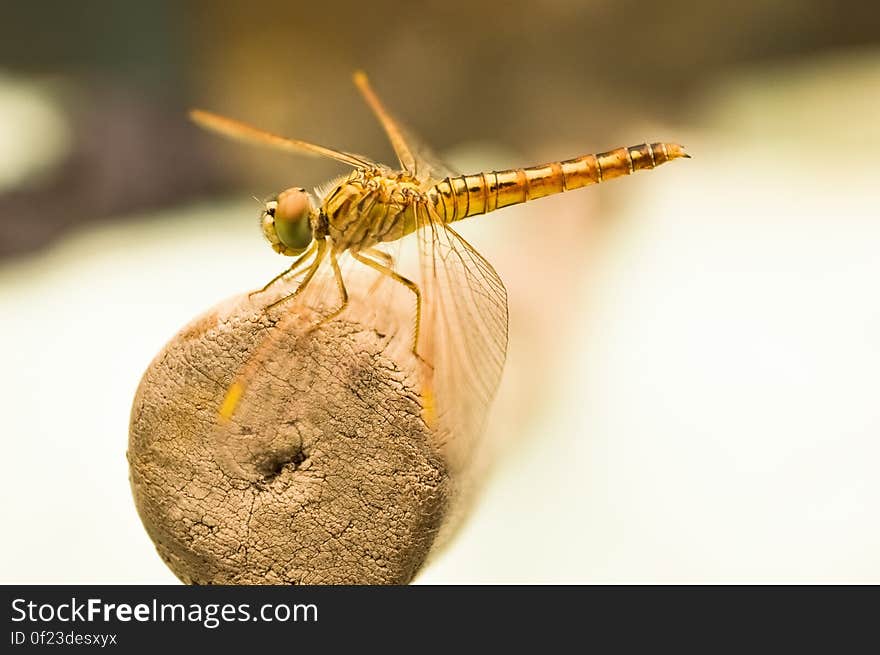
x=287, y=221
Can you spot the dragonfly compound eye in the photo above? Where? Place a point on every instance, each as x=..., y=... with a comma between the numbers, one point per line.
x=290, y=216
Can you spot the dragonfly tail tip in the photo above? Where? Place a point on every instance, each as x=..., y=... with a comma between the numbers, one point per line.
x=676, y=151
x=359, y=77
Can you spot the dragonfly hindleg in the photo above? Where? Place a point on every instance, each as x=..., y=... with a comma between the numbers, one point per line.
x=387, y=259
x=409, y=284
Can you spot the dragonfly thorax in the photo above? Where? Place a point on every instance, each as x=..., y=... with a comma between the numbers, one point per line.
x=370, y=207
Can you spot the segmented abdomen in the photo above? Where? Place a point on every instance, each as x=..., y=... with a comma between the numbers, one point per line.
x=468, y=195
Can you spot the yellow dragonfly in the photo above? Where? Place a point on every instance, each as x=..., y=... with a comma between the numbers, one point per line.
x=460, y=303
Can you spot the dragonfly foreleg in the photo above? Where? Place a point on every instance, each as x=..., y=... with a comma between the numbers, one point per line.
x=288, y=271
x=409, y=284
x=343, y=293
x=322, y=245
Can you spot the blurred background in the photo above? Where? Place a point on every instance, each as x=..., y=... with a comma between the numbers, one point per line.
x=691, y=391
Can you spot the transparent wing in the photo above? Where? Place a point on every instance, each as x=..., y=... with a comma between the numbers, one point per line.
x=432, y=168
x=415, y=158
x=276, y=358
x=244, y=132
x=241, y=430
x=463, y=339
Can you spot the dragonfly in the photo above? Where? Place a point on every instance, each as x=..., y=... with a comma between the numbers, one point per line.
x=460, y=320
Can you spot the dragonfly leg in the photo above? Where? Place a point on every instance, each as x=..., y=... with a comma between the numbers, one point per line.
x=409, y=284
x=392, y=129
x=343, y=293
x=288, y=271
x=385, y=258
x=380, y=254
x=322, y=245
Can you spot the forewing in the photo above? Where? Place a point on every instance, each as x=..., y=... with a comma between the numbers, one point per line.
x=243, y=132
x=252, y=386
x=463, y=340
x=260, y=419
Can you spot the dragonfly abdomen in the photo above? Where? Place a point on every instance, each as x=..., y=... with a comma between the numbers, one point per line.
x=469, y=195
